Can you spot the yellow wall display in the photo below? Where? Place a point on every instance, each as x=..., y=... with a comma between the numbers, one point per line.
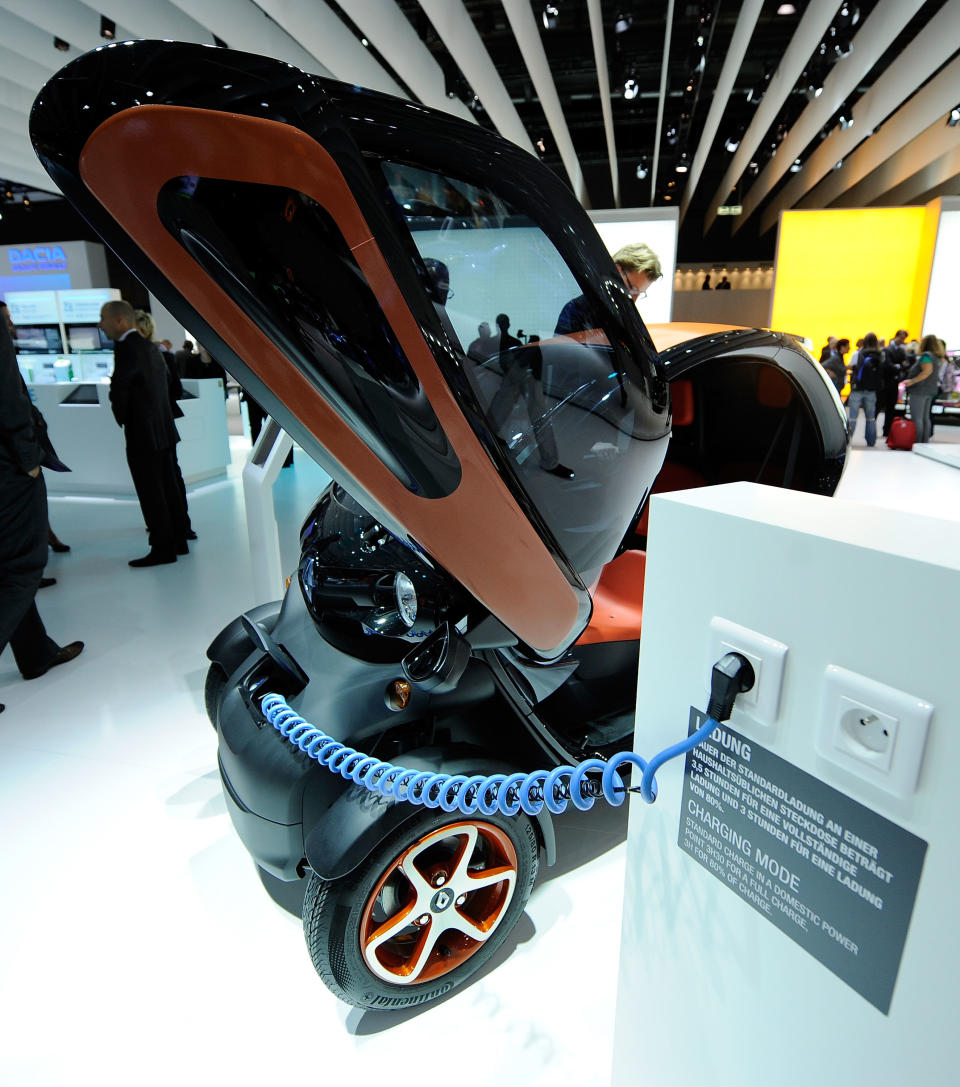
x=846, y=272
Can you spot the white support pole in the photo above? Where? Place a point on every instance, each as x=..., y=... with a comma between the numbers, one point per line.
x=259, y=475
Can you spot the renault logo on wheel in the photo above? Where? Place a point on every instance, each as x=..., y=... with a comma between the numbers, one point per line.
x=441, y=900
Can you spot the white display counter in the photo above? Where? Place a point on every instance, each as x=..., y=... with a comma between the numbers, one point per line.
x=87, y=438
x=790, y=897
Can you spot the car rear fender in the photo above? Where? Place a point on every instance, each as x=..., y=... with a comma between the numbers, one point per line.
x=358, y=820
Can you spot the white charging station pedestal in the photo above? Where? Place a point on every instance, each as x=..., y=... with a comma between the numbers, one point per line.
x=791, y=897
x=259, y=475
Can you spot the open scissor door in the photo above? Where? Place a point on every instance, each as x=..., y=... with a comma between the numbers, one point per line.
x=336, y=250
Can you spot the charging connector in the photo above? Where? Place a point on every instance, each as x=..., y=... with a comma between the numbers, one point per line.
x=732, y=675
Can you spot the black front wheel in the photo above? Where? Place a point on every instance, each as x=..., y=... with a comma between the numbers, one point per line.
x=424, y=911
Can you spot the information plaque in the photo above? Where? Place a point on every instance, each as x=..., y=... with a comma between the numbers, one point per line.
x=836, y=877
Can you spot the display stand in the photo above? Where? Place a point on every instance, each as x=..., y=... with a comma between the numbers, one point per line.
x=87, y=438
x=259, y=476
x=790, y=897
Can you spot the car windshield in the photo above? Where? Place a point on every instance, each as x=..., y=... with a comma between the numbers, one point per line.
x=567, y=410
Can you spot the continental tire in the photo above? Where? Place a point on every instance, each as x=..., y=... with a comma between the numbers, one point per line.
x=424, y=911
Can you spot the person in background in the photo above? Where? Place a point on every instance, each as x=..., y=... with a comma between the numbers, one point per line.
x=843, y=346
x=639, y=269
x=724, y=284
x=23, y=527
x=40, y=424
x=484, y=345
x=831, y=362
x=175, y=392
x=705, y=285
x=864, y=383
x=185, y=358
x=891, y=373
x=922, y=383
x=828, y=349
x=141, y=405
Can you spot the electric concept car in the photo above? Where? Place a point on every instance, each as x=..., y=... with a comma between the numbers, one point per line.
x=469, y=594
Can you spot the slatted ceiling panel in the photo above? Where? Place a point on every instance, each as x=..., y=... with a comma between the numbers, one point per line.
x=934, y=44
x=392, y=33
x=152, y=19
x=920, y=165
x=545, y=90
x=870, y=40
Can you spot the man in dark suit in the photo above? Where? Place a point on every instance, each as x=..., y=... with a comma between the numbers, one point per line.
x=23, y=527
x=141, y=405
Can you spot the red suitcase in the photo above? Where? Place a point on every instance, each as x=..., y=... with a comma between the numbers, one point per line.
x=903, y=433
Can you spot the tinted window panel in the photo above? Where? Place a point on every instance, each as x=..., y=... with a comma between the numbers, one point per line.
x=281, y=257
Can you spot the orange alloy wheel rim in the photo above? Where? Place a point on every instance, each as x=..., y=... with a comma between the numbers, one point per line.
x=438, y=902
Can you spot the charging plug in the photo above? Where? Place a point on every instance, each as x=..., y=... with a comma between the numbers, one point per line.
x=732, y=675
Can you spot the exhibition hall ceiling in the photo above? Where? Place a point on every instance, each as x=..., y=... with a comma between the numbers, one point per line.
x=756, y=104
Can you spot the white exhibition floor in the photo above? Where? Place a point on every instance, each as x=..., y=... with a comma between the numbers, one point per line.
x=138, y=943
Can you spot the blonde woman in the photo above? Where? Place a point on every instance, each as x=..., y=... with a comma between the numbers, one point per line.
x=922, y=383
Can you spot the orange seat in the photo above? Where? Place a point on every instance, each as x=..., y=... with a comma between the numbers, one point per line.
x=617, y=601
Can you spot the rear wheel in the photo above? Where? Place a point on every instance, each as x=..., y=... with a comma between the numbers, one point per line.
x=424, y=911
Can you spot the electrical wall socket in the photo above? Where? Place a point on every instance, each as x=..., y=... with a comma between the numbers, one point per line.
x=761, y=704
x=873, y=731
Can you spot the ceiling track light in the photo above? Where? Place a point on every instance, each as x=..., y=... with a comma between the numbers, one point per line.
x=796, y=166
x=683, y=165
x=848, y=15
x=108, y=28
x=732, y=144
x=623, y=22
x=642, y=170
x=954, y=119
x=550, y=16
x=631, y=88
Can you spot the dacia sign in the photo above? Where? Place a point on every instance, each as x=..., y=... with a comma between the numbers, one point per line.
x=38, y=258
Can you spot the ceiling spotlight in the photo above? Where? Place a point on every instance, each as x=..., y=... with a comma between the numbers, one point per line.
x=26, y=201
x=671, y=136
x=108, y=28
x=623, y=22
x=551, y=14
x=813, y=90
x=786, y=9
x=732, y=144
x=954, y=118
x=846, y=118
x=838, y=164
x=848, y=15
x=683, y=165
x=796, y=166
x=631, y=88
x=541, y=146
x=642, y=171
x=754, y=168
x=59, y=43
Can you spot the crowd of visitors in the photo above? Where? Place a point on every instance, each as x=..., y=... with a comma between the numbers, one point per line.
x=881, y=376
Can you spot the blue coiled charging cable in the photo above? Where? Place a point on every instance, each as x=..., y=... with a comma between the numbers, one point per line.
x=507, y=793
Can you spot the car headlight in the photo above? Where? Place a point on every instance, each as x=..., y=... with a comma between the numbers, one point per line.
x=406, y=595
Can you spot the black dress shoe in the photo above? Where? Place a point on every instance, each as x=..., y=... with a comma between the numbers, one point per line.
x=46, y=582
x=63, y=654
x=59, y=546
x=191, y=535
x=561, y=471
x=155, y=558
